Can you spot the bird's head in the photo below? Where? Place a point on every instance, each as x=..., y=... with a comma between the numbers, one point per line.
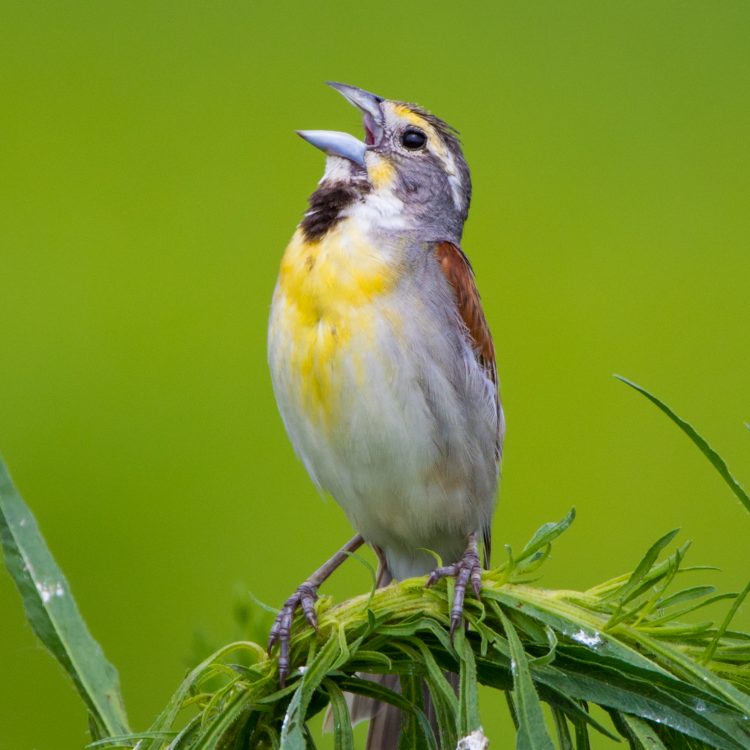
x=410, y=169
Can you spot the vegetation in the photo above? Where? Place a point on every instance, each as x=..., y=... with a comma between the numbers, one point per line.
x=624, y=645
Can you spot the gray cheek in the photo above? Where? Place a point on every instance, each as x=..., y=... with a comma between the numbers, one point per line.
x=423, y=186
x=411, y=187
x=426, y=193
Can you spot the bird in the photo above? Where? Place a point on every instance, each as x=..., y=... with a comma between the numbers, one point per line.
x=381, y=359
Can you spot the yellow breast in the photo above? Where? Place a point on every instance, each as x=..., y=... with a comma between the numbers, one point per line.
x=324, y=312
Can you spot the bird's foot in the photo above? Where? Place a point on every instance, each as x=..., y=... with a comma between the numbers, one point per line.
x=304, y=597
x=468, y=568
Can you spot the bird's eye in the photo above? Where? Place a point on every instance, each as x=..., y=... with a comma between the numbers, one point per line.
x=413, y=140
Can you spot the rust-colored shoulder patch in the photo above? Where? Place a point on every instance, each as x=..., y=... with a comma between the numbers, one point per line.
x=457, y=269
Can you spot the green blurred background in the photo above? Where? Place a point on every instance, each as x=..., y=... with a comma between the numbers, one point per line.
x=150, y=179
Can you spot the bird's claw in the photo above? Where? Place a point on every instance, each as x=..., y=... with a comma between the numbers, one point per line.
x=468, y=568
x=304, y=597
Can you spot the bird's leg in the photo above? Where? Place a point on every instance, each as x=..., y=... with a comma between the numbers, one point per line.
x=468, y=568
x=305, y=597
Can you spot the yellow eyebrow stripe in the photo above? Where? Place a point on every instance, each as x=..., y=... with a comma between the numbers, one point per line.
x=413, y=118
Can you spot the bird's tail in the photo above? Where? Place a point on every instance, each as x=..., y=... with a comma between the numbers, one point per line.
x=386, y=720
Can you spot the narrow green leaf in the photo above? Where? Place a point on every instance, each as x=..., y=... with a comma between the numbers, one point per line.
x=128, y=740
x=640, y=733
x=445, y=716
x=532, y=732
x=309, y=739
x=53, y=614
x=564, y=740
x=443, y=698
x=675, y=614
x=272, y=737
x=211, y=735
x=575, y=710
x=511, y=708
x=668, y=701
x=716, y=460
x=630, y=589
x=169, y=713
x=375, y=690
x=185, y=736
x=262, y=605
x=545, y=535
x=614, y=674
x=582, y=736
x=558, y=615
x=372, y=657
x=343, y=737
x=694, y=592
x=681, y=663
x=725, y=624
x=412, y=732
x=293, y=728
x=379, y=692
x=549, y=657
x=468, y=696
x=659, y=573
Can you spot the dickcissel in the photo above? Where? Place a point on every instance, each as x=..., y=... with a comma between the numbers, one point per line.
x=381, y=359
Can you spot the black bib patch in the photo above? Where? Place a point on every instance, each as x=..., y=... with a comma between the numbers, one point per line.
x=326, y=205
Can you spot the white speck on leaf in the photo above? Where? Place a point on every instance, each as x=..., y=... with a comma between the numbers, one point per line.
x=48, y=590
x=44, y=592
x=592, y=640
x=474, y=741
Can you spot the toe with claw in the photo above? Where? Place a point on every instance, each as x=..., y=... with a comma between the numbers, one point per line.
x=468, y=568
x=303, y=598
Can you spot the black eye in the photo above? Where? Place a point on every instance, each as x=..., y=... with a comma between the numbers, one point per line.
x=413, y=139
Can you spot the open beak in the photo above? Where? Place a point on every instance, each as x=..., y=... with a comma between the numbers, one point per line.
x=369, y=105
x=334, y=143
x=344, y=145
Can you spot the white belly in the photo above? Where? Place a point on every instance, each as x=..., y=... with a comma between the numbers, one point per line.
x=392, y=417
x=381, y=394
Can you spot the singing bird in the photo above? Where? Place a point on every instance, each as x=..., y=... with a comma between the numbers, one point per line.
x=381, y=359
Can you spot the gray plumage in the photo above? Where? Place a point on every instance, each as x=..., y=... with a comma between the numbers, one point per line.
x=387, y=395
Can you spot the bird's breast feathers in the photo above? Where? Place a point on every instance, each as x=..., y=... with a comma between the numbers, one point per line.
x=325, y=309
x=384, y=388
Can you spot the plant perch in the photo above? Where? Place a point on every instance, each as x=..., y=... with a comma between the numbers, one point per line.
x=628, y=645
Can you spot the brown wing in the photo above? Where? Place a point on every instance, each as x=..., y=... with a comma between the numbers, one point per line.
x=457, y=269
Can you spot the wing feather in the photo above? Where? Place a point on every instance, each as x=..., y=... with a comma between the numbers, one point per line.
x=460, y=275
x=457, y=270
